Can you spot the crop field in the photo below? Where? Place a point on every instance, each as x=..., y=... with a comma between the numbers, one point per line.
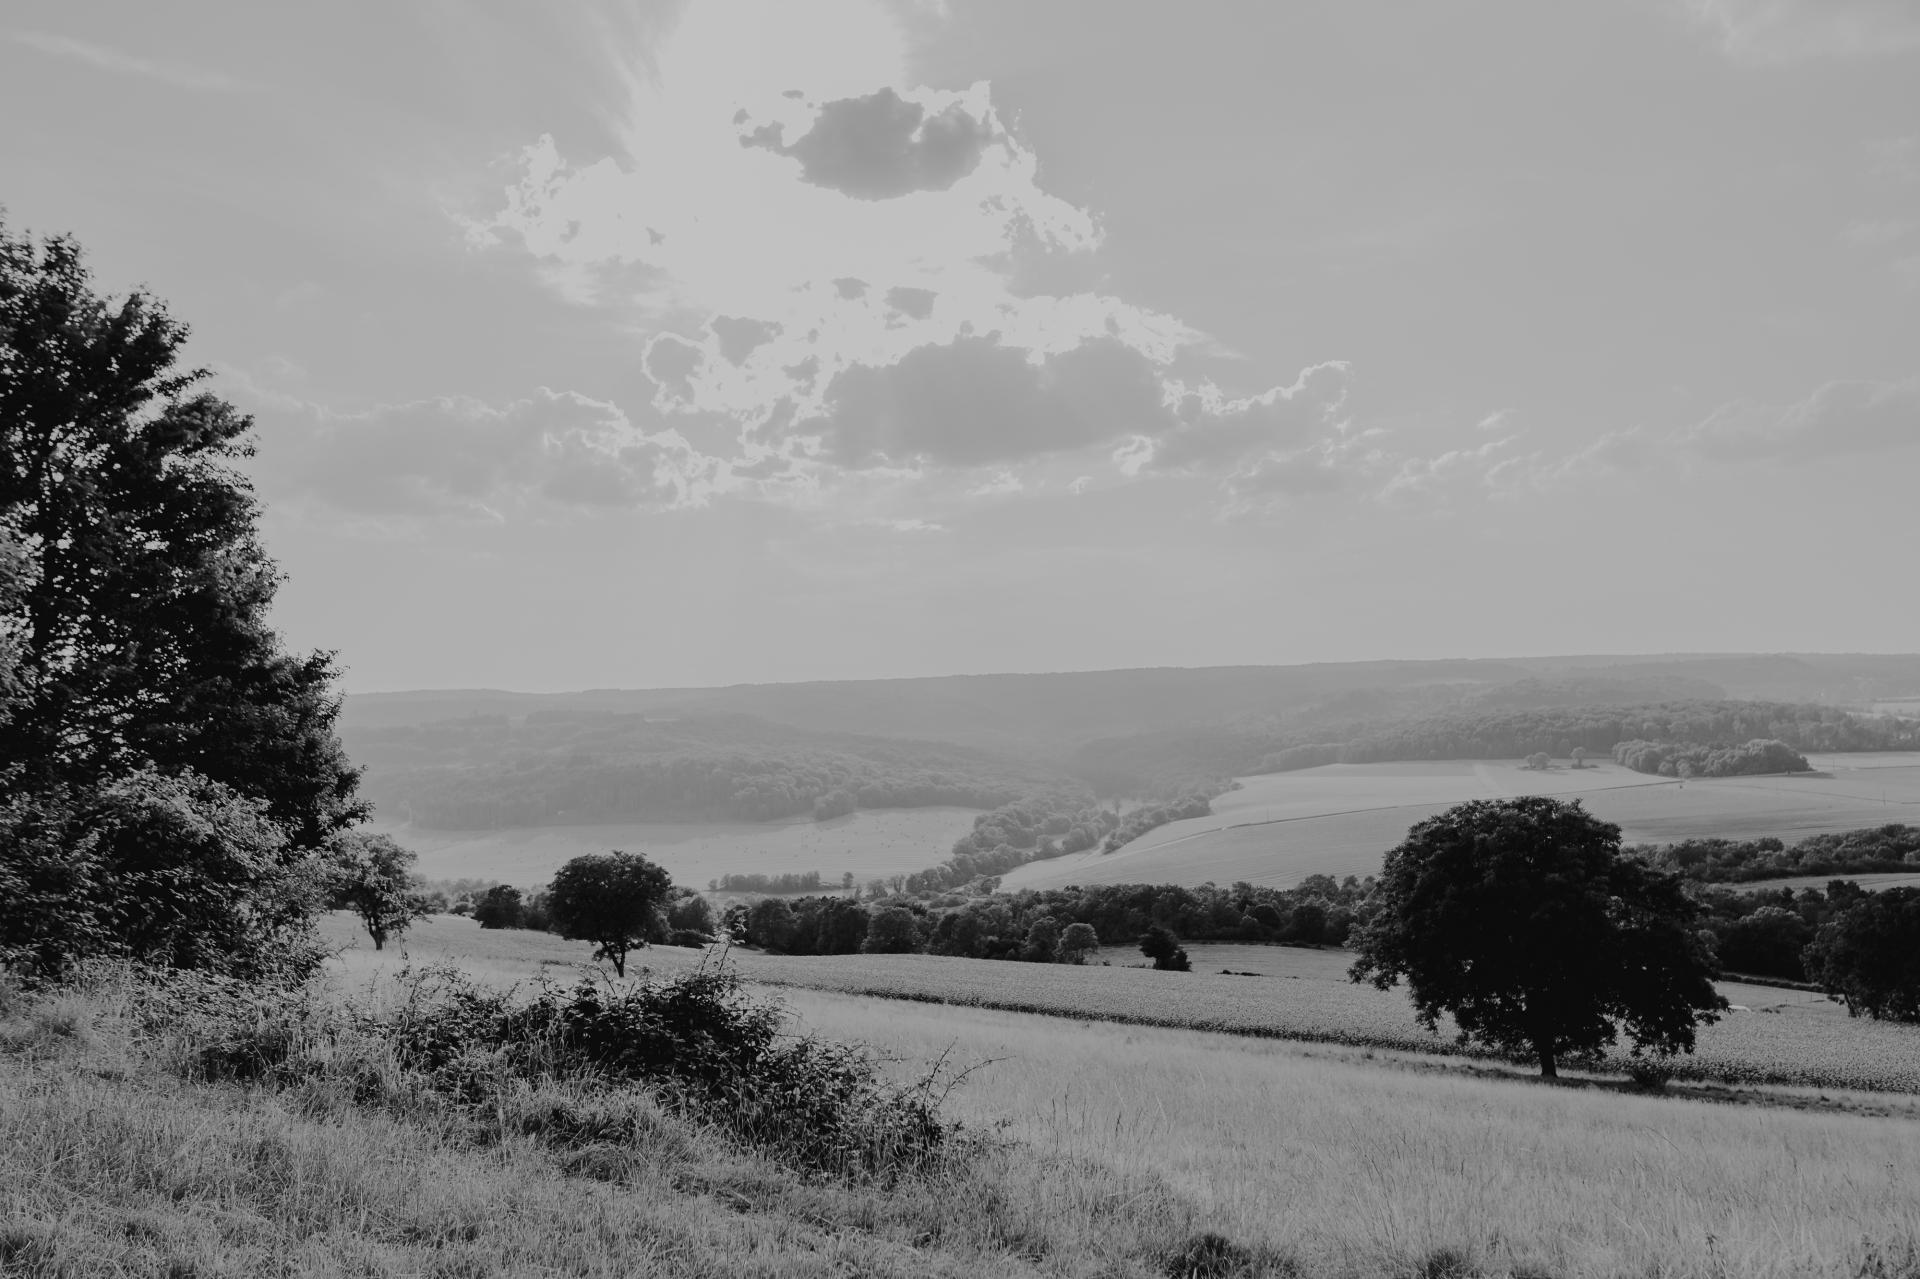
x=879, y=842
x=1785, y=1037
x=1340, y=820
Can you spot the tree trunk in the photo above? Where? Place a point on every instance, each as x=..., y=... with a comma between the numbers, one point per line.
x=619, y=958
x=379, y=941
x=1548, y=1067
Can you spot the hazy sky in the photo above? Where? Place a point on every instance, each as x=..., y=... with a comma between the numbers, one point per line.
x=739, y=340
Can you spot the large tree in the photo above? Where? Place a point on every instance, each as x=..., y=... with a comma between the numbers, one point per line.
x=1868, y=956
x=1521, y=920
x=161, y=754
x=610, y=899
x=140, y=606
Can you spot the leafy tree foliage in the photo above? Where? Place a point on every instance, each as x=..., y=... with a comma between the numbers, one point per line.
x=373, y=878
x=1521, y=920
x=614, y=900
x=500, y=907
x=770, y=924
x=688, y=911
x=892, y=931
x=1669, y=760
x=786, y=882
x=170, y=870
x=143, y=690
x=141, y=627
x=1767, y=942
x=1077, y=942
x=1894, y=847
x=1033, y=829
x=1869, y=956
x=1165, y=950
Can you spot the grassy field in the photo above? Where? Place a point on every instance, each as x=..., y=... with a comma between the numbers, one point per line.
x=880, y=842
x=1339, y=820
x=1368, y=1161
x=1785, y=1038
x=1321, y=1153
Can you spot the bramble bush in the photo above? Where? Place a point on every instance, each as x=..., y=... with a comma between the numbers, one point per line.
x=697, y=1043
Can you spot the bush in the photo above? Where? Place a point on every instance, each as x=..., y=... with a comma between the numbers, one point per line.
x=702, y=1045
x=1165, y=951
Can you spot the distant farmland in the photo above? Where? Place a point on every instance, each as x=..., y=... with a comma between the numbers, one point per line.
x=877, y=842
x=1340, y=819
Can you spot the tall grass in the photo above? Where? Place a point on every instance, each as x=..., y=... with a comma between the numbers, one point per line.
x=1355, y=1166
x=276, y=1136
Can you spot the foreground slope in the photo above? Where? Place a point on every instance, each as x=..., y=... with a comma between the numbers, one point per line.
x=1352, y=1163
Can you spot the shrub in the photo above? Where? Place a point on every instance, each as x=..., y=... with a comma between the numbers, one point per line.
x=1165, y=951
x=699, y=1042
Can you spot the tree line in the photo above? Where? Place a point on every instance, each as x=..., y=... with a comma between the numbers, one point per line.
x=1557, y=731
x=1030, y=924
x=1669, y=759
x=1872, y=850
x=1048, y=825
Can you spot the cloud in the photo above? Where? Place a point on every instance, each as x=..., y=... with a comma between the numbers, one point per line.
x=1838, y=418
x=881, y=146
x=852, y=289
x=103, y=58
x=739, y=337
x=456, y=456
x=915, y=304
x=1777, y=32
x=975, y=401
x=1210, y=428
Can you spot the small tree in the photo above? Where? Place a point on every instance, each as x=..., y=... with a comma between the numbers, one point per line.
x=1079, y=941
x=1868, y=957
x=1539, y=761
x=1043, y=939
x=500, y=907
x=1579, y=754
x=610, y=899
x=1522, y=920
x=1164, y=949
x=373, y=878
x=893, y=931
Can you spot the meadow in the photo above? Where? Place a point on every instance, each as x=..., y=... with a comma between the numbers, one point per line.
x=870, y=843
x=1359, y=1160
x=1784, y=1038
x=1337, y=820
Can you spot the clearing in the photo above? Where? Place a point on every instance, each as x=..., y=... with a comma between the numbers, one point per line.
x=870, y=843
x=1340, y=819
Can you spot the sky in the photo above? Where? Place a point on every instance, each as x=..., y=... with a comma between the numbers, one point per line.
x=654, y=344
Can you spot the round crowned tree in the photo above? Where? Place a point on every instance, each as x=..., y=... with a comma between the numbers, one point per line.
x=1868, y=956
x=1522, y=920
x=610, y=899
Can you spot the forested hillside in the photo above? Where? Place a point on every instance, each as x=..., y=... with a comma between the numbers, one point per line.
x=489, y=772
x=1321, y=736
x=485, y=760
